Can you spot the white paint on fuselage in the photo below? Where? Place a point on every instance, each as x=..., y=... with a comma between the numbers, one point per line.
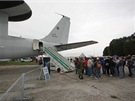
x=15, y=47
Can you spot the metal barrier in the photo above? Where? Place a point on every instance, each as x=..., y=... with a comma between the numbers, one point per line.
x=22, y=87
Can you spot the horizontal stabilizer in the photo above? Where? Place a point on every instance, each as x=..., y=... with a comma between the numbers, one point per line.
x=74, y=45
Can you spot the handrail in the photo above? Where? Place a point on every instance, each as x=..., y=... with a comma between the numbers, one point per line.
x=61, y=57
x=57, y=58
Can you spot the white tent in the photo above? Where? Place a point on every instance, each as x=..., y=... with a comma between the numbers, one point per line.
x=82, y=55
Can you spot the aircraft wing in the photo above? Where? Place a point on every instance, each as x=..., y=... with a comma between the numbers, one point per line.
x=74, y=45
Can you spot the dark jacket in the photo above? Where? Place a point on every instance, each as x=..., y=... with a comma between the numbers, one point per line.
x=80, y=64
x=121, y=63
x=130, y=63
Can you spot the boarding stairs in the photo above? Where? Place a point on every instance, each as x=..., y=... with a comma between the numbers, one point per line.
x=59, y=60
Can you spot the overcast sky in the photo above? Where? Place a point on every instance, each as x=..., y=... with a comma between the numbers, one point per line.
x=99, y=20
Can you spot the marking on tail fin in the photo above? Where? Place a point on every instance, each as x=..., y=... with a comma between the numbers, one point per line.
x=54, y=35
x=58, y=28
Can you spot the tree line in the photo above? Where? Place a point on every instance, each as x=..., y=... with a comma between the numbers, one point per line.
x=121, y=47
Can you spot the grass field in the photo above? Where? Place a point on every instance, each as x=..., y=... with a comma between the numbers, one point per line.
x=17, y=63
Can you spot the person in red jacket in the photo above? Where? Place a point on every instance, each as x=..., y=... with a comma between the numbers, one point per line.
x=85, y=65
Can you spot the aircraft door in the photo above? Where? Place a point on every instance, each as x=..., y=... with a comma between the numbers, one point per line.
x=37, y=45
x=40, y=46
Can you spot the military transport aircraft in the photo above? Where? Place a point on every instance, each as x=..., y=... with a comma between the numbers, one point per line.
x=17, y=47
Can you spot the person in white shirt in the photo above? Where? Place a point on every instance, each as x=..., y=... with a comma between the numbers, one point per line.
x=90, y=66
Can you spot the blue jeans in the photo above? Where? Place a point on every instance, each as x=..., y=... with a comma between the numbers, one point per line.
x=90, y=73
x=133, y=72
x=121, y=74
x=116, y=71
x=86, y=70
x=98, y=72
x=104, y=69
x=95, y=72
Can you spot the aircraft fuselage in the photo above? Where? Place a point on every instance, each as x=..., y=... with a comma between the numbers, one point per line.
x=16, y=47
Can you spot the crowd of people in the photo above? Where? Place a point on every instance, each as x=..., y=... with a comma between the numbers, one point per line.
x=110, y=66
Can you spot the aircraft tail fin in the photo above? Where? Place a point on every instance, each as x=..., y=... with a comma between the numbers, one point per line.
x=60, y=32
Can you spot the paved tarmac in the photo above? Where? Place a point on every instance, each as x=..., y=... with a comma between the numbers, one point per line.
x=68, y=87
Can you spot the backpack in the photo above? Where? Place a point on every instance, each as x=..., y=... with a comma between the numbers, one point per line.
x=98, y=65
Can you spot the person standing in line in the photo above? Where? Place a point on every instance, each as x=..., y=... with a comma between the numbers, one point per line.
x=75, y=63
x=103, y=65
x=107, y=65
x=121, y=67
x=112, y=66
x=95, y=69
x=133, y=68
x=116, y=71
x=98, y=67
x=80, y=67
x=124, y=60
x=85, y=66
x=90, y=65
x=129, y=65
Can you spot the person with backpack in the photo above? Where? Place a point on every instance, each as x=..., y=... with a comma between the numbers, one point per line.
x=98, y=68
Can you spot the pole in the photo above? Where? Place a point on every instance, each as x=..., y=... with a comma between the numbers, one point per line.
x=22, y=86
